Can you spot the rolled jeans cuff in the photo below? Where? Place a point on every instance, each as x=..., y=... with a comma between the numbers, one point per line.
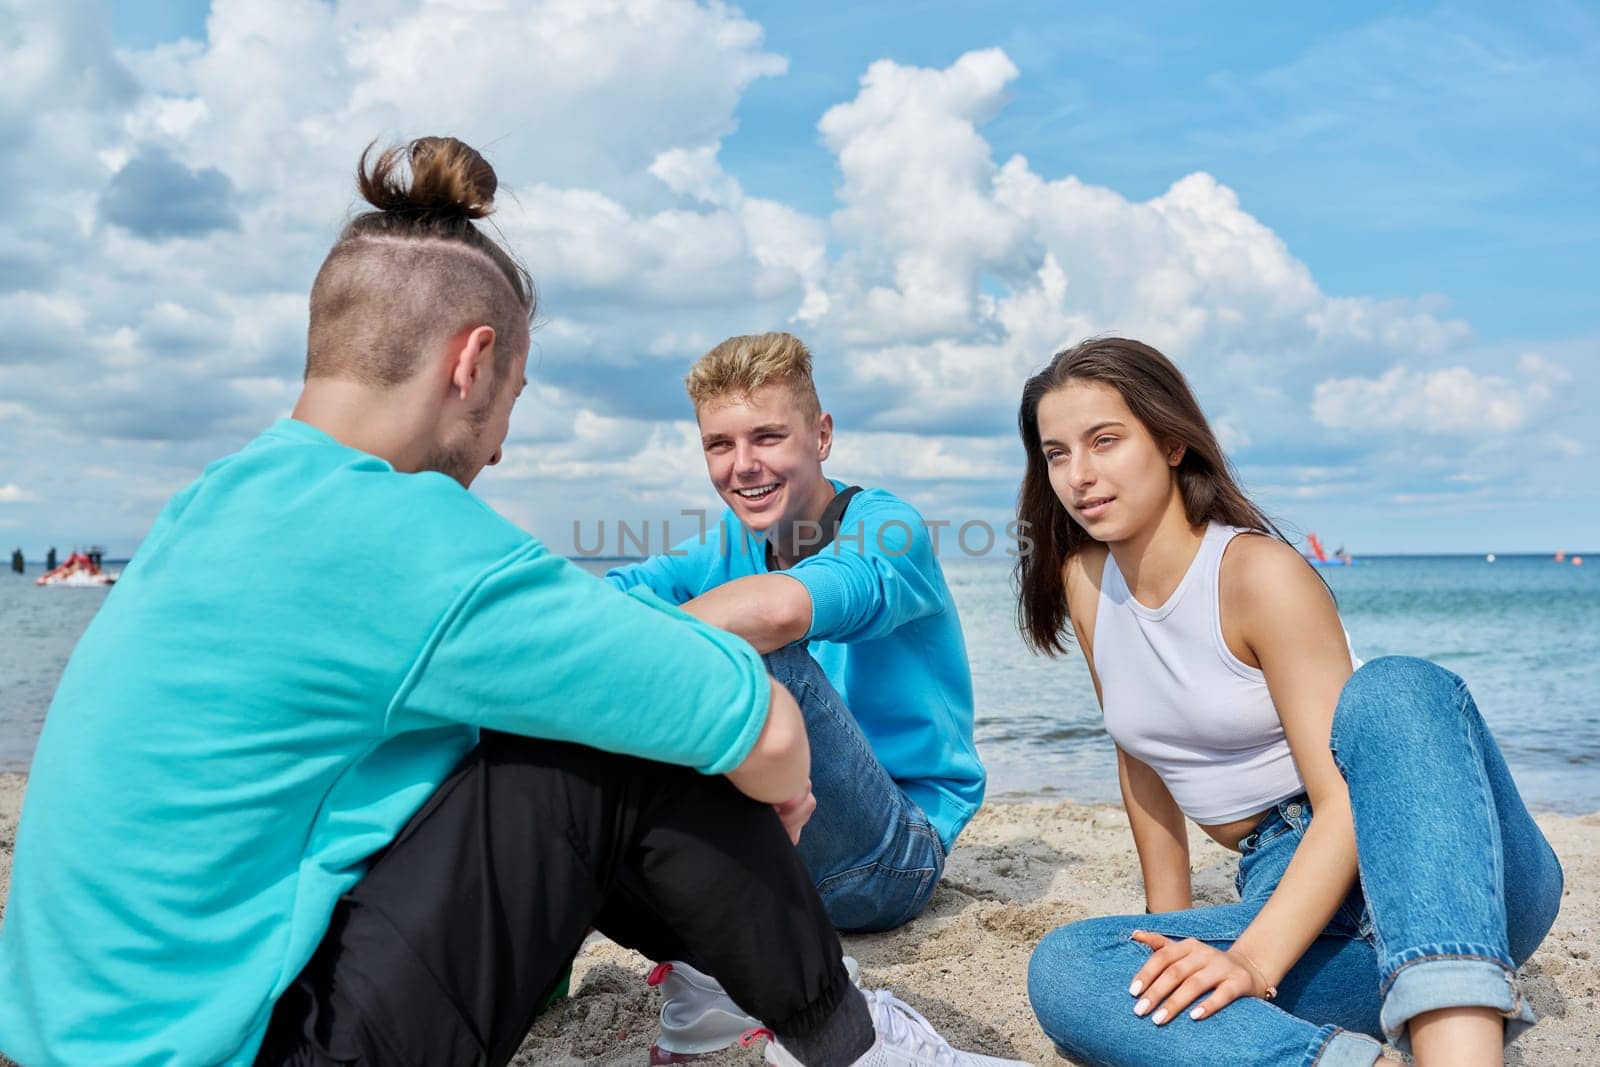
x=1342, y=1048
x=1447, y=981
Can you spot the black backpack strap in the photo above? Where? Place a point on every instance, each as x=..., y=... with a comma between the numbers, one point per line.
x=833, y=518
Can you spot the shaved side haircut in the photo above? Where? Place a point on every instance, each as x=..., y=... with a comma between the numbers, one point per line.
x=416, y=270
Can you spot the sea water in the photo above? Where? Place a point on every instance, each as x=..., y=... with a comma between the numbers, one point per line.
x=1523, y=631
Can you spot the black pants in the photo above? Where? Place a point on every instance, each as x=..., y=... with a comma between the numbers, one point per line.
x=464, y=925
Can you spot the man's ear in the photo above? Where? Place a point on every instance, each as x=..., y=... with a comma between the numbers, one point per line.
x=471, y=359
x=824, y=436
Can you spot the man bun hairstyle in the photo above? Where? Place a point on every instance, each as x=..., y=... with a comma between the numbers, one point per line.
x=741, y=365
x=449, y=181
x=416, y=269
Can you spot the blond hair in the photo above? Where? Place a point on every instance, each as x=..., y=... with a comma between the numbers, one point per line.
x=741, y=365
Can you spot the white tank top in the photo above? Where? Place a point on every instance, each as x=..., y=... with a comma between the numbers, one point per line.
x=1177, y=699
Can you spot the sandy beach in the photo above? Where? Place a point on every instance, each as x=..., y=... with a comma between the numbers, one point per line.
x=1019, y=870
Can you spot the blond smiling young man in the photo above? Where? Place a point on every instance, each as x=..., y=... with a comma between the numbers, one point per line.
x=841, y=591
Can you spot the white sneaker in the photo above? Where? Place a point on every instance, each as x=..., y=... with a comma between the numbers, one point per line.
x=905, y=1039
x=698, y=1017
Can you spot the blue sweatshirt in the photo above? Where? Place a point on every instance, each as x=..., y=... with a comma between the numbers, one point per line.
x=883, y=627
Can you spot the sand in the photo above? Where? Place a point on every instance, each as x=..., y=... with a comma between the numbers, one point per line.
x=1020, y=869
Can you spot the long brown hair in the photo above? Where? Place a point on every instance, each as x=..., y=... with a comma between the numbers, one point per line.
x=1160, y=398
x=415, y=266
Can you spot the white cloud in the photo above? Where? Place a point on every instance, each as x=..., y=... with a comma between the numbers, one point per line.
x=568, y=92
x=919, y=210
x=1452, y=400
x=944, y=277
x=12, y=493
x=1565, y=446
x=883, y=458
x=202, y=338
x=958, y=276
x=36, y=327
x=695, y=172
x=742, y=250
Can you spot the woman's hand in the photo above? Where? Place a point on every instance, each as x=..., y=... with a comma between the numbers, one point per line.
x=1179, y=972
x=795, y=812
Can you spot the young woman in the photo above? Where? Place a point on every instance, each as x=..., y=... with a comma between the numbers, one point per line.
x=1401, y=908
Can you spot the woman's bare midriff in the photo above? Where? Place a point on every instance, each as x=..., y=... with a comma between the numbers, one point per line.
x=1229, y=834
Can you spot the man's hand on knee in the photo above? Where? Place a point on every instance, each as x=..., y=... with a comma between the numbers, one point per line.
x=795, y=813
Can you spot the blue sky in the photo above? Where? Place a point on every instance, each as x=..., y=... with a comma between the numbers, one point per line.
x=1368, y=234
x=1312, y=116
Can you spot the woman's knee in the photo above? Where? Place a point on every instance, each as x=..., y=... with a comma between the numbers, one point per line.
x=1393, y=697
x=1070, y=977
x=1533, y=902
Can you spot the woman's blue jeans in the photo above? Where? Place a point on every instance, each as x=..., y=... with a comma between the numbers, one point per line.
x=870, y=849
x=1457, y=889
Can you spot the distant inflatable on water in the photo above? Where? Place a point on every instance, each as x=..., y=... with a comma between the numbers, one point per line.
x=1319, y=557
x=79, y=570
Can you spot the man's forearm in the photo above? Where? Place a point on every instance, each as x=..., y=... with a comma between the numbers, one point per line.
x=767, y=610
x=778, y=766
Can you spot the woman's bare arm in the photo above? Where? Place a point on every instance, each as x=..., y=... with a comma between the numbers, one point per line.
x=1277, y=614
x=1287, y=618
x=1159, y=832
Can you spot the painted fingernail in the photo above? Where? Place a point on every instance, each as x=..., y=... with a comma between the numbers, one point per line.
x=1141, y=1007
x=1133, y=990
x=1159, y=1017
x=1197, y=1013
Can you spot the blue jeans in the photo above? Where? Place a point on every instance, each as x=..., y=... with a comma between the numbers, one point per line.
x=1457, y=889
x=871, y=851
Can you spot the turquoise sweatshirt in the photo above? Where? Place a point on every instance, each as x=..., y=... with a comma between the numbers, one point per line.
x=883, y=627
x=301, y=651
